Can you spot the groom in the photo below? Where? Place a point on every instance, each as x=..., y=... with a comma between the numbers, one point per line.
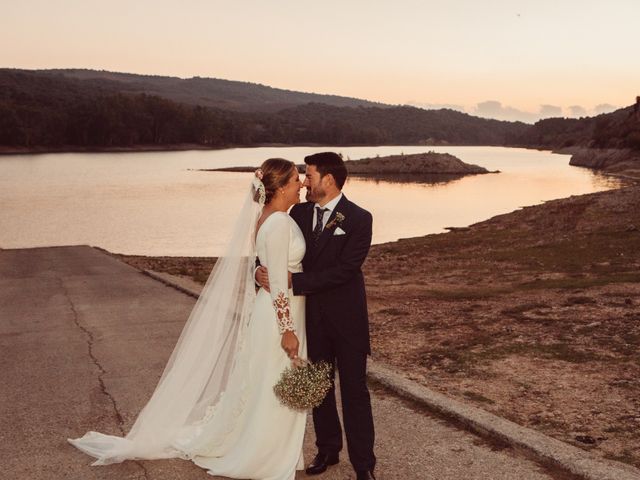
x=338, y=236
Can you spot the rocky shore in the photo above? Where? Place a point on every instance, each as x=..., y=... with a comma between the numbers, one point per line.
x=620, y=162
x=533, y=315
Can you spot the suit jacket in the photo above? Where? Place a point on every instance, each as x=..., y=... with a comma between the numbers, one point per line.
x=332, y=278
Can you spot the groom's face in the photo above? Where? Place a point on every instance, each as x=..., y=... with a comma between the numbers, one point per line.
x=314, y=184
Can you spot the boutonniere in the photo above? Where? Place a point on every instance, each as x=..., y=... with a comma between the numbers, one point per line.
x=335, y=221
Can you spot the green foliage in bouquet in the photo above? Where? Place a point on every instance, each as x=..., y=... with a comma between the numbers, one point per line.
x=303, y=385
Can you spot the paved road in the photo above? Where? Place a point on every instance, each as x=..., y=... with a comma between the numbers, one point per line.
x=84, y=339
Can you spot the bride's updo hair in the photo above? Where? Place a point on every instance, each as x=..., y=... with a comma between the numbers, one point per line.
x=275, y=174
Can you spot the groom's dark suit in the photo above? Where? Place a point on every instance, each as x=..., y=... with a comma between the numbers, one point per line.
x=338, y=324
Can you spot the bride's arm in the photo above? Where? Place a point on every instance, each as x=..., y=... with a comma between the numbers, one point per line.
x=277, y=260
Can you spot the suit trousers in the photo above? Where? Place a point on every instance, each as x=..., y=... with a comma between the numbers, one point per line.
x=324, y=343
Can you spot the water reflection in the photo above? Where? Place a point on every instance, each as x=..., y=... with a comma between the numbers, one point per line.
x=430, y=179
x=157, y=203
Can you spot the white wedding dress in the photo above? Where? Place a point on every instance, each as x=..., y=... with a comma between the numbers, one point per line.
x=245, y=433
x=249, y=434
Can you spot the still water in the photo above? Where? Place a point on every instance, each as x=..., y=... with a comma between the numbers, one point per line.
x=158, y=203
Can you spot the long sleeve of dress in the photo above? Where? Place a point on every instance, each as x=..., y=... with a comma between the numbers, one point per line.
x=277, y=262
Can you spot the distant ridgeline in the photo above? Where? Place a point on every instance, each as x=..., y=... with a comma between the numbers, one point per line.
x=616, y=130
x=96, y=109
x=58, y=108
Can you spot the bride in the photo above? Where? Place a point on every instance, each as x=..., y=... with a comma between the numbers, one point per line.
x=214, y=403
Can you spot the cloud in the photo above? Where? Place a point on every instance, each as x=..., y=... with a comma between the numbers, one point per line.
x=604, y=108
x=577, y=111
x=547, y=111
x=495, y=109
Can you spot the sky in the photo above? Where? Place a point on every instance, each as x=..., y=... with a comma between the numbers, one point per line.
x=508, y=59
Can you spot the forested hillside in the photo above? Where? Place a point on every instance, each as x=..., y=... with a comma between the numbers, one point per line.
x=619, y=129
x=205, y=92
x=84, y=108
x=57, y=111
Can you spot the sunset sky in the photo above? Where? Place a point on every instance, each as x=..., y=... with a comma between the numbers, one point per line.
x=509, y=59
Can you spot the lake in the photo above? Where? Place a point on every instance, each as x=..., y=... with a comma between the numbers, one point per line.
x=158, y=203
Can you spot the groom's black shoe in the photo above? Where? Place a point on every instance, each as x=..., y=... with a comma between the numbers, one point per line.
x=365, y=475
x=321, y=462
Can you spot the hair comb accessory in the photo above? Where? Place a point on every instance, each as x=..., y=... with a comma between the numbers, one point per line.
x=258, y=187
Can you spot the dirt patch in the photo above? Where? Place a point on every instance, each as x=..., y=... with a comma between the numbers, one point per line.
x=195, y=268
x=533, y=315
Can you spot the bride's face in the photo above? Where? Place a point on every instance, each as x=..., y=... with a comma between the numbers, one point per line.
x=291, y=190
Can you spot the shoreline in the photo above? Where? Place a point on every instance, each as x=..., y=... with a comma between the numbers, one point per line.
x=6, y=150
x=132, y=149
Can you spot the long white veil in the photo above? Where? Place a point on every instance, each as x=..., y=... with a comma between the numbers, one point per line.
x=198, y=370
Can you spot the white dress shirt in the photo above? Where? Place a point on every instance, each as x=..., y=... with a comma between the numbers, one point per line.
x=330, y=206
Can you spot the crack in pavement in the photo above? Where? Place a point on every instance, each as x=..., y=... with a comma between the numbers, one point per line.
x=94, y=360
x=102, y=371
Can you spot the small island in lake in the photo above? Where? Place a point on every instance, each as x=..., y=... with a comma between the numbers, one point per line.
x=430, y=163
x=400, y=167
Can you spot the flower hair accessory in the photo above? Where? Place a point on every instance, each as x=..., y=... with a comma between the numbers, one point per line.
x=260, y=192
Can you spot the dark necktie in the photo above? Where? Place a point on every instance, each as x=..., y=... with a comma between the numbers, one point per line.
x=319, y=223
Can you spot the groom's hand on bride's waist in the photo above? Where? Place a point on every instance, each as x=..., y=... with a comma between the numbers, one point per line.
x=262, y=278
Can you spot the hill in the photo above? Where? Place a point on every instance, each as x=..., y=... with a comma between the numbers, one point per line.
x=205, y=92
x=89, y=109
x=615, y=130
x=60, y=112
x=401, y=125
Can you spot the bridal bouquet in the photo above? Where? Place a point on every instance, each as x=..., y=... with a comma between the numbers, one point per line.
x=303, y=385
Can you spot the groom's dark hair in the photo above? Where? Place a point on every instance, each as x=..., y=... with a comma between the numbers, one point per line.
x=329, y=163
